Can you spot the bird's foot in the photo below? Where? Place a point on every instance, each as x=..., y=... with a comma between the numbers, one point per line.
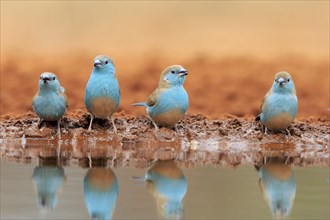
x=156, y=127
x=288, y=133
x=114, y=125
x=265, y=131
x=40, y=124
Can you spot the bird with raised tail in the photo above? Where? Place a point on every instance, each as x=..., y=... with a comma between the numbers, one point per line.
x=280, y=105
x=169, y=102
x=102, y=91
x=50, y=102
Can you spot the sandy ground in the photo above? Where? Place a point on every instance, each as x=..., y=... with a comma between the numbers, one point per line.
x=195, y=141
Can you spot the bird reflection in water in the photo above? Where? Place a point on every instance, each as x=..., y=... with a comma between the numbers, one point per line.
x=166, y=182
x=100, y=192
x=48, y=181
x=278, y=186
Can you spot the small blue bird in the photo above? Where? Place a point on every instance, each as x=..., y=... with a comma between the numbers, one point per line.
x=102, y=91
x=100, y=192
x=168, y=185
x=278, y=187
x=169, y=102
x=48, y=181
x=280, y=105
x=50, y=102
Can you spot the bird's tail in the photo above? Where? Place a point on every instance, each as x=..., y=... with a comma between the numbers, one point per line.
x=140, y=104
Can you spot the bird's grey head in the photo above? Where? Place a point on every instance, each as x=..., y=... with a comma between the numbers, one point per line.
x=49, y=81
x=174, y=75
x=283, y=83
x=104, y=64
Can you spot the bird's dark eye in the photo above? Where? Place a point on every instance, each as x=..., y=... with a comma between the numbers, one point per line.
x=173, y=71
x=54, y=78
x=288, y=80
x=106, y=62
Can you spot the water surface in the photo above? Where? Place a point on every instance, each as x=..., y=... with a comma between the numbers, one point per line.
x=164, y=190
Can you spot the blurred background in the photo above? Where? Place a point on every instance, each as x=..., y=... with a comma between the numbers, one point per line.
x=232, y=50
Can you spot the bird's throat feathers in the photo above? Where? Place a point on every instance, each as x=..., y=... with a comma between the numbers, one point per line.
x=284, y=89
x=48, y=89
x=104, y=70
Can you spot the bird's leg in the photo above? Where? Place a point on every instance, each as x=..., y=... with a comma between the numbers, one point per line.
x=288, y=132
x=176, y=129
x=266, y=130
x=59, y=128
x=113, y=124
x=156, y=127
x=90, y=123
x=90, y=163
x=38, y=122
x=265, y=159
x=262, y=126
x=287, y=160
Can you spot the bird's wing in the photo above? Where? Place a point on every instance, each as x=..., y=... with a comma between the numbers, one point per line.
x=264, y=99
x=34, y=98
x=61, y=92
x=152, y=100
x=262, y=104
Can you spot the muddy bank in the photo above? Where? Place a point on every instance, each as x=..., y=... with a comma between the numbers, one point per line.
x=195, y=141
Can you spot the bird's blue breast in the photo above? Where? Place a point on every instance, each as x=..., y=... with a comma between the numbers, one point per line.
x=50, y=106
x=170, y=107
x=102, y=87
x=173, y=98
x=279, y=111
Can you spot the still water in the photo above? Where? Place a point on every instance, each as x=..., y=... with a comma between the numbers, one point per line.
x=164, y=190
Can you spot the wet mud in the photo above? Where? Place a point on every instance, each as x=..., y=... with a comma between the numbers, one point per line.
x=195, y=141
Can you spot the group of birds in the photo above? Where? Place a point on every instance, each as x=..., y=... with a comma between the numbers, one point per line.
x=165, y=106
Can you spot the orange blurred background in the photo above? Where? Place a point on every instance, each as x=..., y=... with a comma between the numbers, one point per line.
x=232, y=50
